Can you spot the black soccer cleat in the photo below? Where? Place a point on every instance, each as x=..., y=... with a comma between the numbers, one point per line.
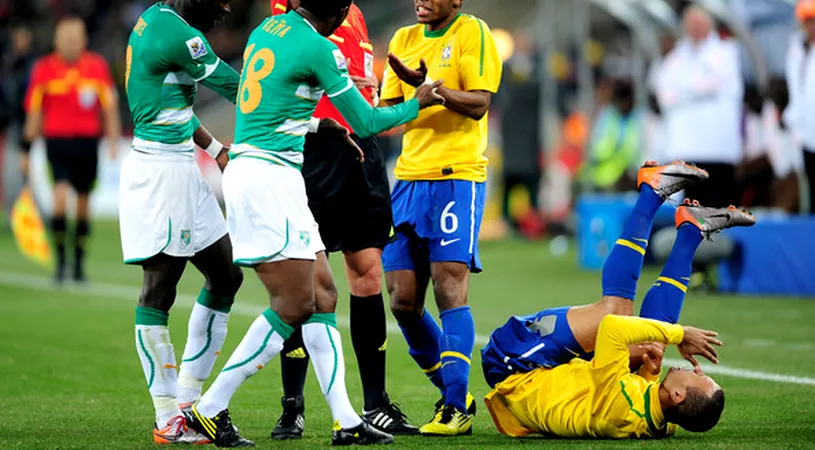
x=218, y=429
x=362, y=434
x=390, y=419
x=293, y=420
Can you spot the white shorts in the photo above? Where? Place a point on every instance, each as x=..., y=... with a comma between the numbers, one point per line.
x=166, y=206
x=267, y=213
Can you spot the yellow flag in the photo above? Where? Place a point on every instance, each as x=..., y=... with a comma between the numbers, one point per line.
x=29, y=231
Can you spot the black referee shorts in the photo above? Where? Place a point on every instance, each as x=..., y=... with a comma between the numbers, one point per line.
x=74, y=160
x=350, y=200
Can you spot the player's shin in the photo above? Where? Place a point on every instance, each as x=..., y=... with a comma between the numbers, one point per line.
x=665, y=298
x=423, y=337
x=369, y=334
x=262, y=342
x=323, y=343
x=205, y=337
x=624, y=264
x=456, y=351
x=158, y=361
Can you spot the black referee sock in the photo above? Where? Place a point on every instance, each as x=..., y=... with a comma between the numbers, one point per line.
x=59, y=227
x=83, y=230
x=294, y=364
x=369, y=334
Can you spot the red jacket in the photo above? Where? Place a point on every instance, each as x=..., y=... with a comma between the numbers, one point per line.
x=70, y=96
x=352, y=39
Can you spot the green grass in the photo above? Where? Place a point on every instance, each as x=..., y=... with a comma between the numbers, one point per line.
x=70, y=376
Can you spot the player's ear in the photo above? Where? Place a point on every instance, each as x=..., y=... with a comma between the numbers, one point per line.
x=678, y=395
x=457, y=4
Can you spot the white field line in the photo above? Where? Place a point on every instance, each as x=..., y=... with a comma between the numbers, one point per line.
x=131, y=294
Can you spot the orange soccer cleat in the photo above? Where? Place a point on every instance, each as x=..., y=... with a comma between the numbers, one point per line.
x=712, y=220
x=669, y=179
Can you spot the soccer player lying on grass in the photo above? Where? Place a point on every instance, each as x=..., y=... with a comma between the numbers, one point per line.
x=539, y=385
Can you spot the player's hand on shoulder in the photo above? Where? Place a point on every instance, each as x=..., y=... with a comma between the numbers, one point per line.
x=427, y=95
x=223, y=158
x=332, y=126
x=698, y=342
x=413, y=77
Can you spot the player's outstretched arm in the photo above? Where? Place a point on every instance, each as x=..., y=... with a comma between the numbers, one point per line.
x=367, y=120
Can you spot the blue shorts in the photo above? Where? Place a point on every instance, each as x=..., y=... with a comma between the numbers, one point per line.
x=526, y=343
x=439, y=220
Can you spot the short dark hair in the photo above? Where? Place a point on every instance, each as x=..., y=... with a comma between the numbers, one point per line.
x=699, y=412
x=325, y=9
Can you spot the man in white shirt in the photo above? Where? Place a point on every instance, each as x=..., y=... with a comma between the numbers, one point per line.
x=799, y=116
x=700, y=89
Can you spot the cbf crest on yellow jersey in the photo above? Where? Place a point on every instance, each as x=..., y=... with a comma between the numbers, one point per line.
x=441, y=144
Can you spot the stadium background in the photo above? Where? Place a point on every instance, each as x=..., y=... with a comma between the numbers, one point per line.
x=69, y=370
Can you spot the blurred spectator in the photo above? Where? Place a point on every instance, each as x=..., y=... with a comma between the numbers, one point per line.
x=784, y=154
x=518, y=101
x=800, y=114
x=754, y=176
x=699, y=88
x=15, y=71
x=69, y=90
x=616, y=143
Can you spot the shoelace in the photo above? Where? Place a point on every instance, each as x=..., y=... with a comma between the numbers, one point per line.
x=396, y=410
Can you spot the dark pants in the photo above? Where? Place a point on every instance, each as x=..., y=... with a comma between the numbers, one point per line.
x=809, y=167
x=532, y=184
x=718, y=190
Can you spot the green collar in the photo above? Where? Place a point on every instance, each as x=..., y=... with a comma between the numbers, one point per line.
x=440, y=33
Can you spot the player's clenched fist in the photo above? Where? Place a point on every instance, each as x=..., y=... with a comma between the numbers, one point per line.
x=427, y=96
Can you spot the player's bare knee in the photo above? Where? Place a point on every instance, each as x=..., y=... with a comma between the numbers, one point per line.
x=157, y=295
x=366, y=285
x=450, y=293
x=404, y=309
x=234, y=279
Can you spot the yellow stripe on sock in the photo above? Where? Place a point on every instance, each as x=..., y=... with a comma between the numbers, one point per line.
x=631, y=245
x=456, y=355
x=674, y=283
x=434, y=368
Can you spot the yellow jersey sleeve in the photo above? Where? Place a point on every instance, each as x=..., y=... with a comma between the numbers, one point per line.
x=391, y=84
x=617, y=332
x=480, y=64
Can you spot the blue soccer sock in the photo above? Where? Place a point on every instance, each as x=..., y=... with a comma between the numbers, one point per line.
x=623, y=266
x=456, y=351
x=423, y=338
x=664, y=300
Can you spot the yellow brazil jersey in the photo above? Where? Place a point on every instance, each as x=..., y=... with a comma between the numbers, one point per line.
x=597, y=399
x=441, y=144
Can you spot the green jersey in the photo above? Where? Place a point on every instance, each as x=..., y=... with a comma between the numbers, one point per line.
x=287, y=67
x=166, y=59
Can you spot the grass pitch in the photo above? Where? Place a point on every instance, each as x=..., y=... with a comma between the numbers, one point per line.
x=70, y=377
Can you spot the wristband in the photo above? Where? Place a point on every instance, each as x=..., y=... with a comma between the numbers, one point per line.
x=313, y=125
x=214, y=148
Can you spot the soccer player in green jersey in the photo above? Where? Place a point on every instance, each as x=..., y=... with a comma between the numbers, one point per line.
x=168, y=213
x=288, y=65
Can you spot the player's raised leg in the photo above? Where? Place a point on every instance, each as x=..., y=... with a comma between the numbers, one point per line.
x=693, y=222
x=206, y=330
